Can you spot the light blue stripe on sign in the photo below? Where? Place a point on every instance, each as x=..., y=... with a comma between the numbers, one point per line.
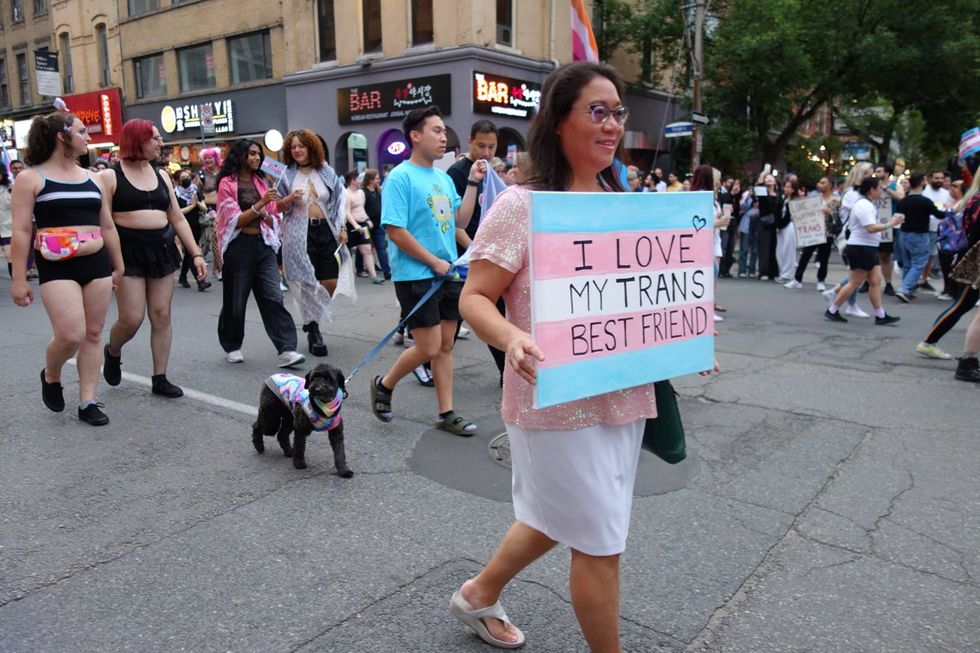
x=605, y=212
x=597, y=376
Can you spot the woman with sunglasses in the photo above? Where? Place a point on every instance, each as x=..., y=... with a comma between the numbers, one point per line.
x=76, y=290
x=574, y=464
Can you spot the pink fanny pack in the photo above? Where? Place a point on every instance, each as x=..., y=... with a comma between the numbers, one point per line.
x=61, y=244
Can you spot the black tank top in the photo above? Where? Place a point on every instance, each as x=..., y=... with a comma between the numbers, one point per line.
x=130, y=198
x=68, y=203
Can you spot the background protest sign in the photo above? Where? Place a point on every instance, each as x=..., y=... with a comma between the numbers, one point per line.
x=807, y=214
x=273, y=168
x=622, y=290
x=884, y=207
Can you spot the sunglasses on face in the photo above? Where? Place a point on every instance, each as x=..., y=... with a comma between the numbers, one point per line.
x=600, y=113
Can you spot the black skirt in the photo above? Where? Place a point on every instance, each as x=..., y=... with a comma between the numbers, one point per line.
x=149, y=253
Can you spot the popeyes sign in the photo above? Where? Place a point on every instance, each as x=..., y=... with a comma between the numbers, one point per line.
x=101, y=112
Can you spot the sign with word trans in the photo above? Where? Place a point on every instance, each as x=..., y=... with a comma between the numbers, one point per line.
x=622, y=290
x=505, y=96
x=393, y=100
x=188, y=116
x=808, y=218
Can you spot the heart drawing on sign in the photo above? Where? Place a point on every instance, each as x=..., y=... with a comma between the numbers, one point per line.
x=699, y=223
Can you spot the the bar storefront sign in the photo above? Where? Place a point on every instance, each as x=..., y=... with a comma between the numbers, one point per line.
x=505, y=96
x=393, y=100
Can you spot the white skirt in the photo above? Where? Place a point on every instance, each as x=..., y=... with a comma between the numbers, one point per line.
x=576, y=487
x=786, y=251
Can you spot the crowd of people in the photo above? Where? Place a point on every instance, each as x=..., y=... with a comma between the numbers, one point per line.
x=134, y=230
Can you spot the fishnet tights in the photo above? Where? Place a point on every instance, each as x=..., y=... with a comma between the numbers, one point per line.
x=135, y=298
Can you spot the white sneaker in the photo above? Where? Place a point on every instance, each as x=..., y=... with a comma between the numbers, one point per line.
x=855, y=311
x=719, y=318
x=821, y=286
x=792, y=283
x=464, y=332
x=943, y=297
x=290, y=358
x=829, y=295
x=235, y=356
x=283, y=287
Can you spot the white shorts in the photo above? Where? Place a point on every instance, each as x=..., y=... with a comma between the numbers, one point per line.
x=576, y=487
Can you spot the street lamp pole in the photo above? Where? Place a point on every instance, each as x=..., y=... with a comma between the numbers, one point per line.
x=696, y=59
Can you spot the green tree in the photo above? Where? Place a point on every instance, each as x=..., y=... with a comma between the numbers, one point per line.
x=647, y=29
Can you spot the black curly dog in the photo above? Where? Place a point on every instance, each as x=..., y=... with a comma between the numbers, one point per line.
x=275, y=418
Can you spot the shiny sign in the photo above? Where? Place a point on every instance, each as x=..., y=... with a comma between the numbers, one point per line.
x=505, y=96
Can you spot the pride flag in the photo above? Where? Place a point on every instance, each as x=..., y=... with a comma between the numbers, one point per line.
x=969, y=143
x=584, y=47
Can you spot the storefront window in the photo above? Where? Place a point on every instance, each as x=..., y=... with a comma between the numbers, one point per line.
x=326, y=30
x=150, y=79
x=372, y=25
x=251, y=58
x=505, y=22
x=421, y=22
x=196, y=66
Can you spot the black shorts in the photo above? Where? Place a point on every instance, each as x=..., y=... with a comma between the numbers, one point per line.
x=886, y=248
x=80, y=269
x=356, y=237
x=321, y=247
x=443, y=305
x=862, y=257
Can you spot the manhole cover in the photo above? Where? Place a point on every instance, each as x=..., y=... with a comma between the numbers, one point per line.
x=499, y=449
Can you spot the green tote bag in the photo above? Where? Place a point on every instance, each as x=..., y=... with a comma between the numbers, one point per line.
x=664, y=435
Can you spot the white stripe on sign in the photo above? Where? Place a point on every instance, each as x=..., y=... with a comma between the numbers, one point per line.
x=203, y=397
x=612, y=294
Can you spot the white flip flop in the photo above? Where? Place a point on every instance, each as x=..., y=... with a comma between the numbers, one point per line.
x=459, y=608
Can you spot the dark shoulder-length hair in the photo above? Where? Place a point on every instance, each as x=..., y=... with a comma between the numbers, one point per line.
x=704, y=178
x=550, y=170
x=312, y=144
x=235, y=160
x=42, y=139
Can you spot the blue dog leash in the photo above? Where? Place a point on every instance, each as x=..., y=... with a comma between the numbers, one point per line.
x=436, y=285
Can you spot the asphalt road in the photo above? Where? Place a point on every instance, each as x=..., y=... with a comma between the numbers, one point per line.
x=830, y=501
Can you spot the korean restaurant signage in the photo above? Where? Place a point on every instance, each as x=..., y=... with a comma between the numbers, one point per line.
x=176, y=119
x=393, y=100
x=101, y=112
x=505, y=96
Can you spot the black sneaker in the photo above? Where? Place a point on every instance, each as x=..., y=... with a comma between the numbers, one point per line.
x=52, y=395
x=889, y=290
x=203, y=285
x=902, y=296
x=927, y=286
x=888, y=319
x=164, y=388
x=968, y=369
x=833, y=317
x=93, y=415
x=184, y=283
x=112, y=368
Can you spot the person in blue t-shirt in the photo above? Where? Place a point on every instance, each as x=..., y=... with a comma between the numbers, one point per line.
x=421, y=210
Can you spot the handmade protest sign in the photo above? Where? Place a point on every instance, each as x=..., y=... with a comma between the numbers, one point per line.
x=807, y=215
x=622, y=290
x=884, y=208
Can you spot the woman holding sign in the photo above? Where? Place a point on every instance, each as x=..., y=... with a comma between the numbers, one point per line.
x=573, y=464
x=248, y=234
x=147, y=217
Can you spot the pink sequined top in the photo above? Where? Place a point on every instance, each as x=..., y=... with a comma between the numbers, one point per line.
x=502, y=239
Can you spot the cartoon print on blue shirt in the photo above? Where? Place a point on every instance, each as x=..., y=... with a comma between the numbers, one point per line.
x=442, y=208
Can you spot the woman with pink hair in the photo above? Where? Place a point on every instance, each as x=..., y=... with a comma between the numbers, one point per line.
x=211, y=162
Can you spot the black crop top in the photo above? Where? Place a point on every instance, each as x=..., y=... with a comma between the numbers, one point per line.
x=130, y=198
x=68, y=203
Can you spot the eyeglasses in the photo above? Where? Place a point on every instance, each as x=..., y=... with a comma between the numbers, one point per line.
x=600, y=113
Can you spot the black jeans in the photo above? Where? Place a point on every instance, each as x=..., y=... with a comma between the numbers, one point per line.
x=966, y=297
x=823, y=257
x=250, y=267
x=728, y=238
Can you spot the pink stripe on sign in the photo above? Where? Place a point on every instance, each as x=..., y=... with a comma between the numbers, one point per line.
x=558, y=255
x=580, y=339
